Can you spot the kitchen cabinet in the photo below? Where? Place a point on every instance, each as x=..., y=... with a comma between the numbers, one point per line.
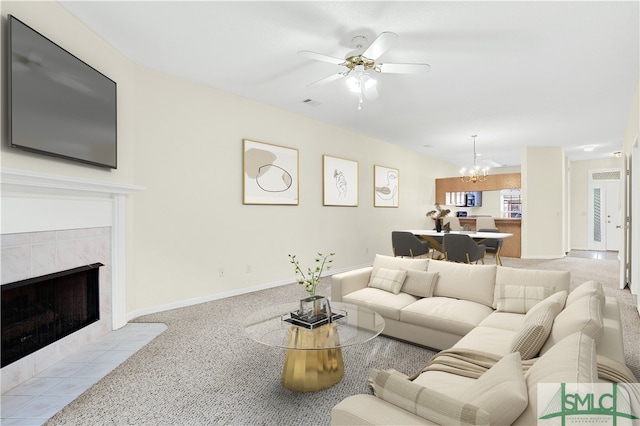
x=493, y=183
x=463, y=199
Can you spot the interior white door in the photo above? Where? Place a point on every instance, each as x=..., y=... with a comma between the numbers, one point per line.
x=604, y=213
x=615, y=213
x=634, y=226
x=623, y=254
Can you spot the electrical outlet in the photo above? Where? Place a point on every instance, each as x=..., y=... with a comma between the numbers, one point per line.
x=248, y=269
x=221, y=273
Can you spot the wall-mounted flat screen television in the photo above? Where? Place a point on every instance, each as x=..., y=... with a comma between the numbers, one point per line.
x=58, y=105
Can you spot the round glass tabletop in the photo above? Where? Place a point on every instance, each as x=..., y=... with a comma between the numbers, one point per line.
x=270, y=326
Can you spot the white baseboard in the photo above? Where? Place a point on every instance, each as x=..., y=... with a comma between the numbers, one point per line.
x=543, y=257
x=217, y=296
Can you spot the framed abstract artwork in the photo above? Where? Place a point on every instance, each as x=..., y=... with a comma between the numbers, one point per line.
x=386, y=187
x=339, y=182
x=270, y=174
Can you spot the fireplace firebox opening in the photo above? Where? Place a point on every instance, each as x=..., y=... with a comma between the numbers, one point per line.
x=38, y=311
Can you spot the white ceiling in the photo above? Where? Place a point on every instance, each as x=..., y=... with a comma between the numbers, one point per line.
x=515, y=73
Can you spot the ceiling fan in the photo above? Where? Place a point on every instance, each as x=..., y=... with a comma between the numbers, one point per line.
x=358, y=65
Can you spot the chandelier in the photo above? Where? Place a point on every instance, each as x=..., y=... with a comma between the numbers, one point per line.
x=474, y=174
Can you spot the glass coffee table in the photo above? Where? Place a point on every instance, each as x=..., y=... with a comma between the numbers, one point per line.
x=313, y=358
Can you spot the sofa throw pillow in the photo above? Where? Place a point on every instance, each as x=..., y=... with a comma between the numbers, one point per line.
x=518, y=299
x=397, y=263
x=474, y=283
x=556, y=300
x=587, y=288
x=420, y=283
x=534, y=332
x=584, y=315
x=424, y=402
x=388, y=280
x=501, y=391
x=559, y=280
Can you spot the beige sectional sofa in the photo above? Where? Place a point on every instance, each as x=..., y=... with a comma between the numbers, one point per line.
x=501, y=331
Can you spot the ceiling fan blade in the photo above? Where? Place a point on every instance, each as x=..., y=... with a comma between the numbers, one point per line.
x=326, y=80
x=321, y=57
x=404, y=68
x=380, y=45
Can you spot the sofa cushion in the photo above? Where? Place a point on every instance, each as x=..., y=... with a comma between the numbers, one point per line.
x=463, y=281
x=587, y=288
x=424, y=402
x=559, y=280
x=487, y=339
x=444, y=382
x=390, y=280
x=398, y=263
x=585, y=314
x=504, y=321
x=556, y=301
x=534, y=333
x=571, y=360
x=501, y=391
x=445, y=314
x=386, y=304
x=519, y=298
x=420, y=283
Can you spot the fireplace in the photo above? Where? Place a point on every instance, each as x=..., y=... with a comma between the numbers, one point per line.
x=39, y=311
x=52, y=223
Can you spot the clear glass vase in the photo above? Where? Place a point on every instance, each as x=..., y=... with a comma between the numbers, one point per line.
x=314, y=308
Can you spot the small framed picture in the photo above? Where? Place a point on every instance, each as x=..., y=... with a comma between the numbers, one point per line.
x=270, y=174
x=386, y=187
x=339, y=181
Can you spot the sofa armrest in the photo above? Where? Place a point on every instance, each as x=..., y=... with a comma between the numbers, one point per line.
x=611, y=345
x=348, y=282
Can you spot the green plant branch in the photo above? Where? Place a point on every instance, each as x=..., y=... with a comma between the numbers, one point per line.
x=312, y=277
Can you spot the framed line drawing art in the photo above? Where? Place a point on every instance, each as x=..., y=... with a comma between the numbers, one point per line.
x=339, y=182
x=269, y=174
x=386, y=187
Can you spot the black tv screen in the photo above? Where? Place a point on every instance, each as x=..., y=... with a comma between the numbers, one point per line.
x=58, y=104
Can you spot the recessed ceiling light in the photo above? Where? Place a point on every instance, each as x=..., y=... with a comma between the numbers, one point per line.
x=589, y=148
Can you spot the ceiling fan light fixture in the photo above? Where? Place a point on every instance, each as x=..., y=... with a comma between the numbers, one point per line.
x=353, y=84
x=360, y=81
x=368, y=82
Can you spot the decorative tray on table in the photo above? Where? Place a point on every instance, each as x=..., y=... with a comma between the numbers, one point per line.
x=314, y=321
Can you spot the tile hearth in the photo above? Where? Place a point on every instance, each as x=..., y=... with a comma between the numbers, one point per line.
x=39, y=398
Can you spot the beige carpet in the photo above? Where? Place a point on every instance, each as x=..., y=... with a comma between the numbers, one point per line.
x=203, y=371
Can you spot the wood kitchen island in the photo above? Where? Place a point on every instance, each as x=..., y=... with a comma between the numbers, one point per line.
x=511, y=246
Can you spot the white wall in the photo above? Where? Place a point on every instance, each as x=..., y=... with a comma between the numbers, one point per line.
x=190, y=220
x=543, y=193
x=183, y=142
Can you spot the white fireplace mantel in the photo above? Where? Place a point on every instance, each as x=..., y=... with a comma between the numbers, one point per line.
x=33, y=202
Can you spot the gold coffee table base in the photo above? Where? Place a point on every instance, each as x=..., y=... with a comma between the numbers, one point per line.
x=310, y=370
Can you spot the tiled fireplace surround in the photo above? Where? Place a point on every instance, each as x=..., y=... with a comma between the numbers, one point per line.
x=52, y=223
